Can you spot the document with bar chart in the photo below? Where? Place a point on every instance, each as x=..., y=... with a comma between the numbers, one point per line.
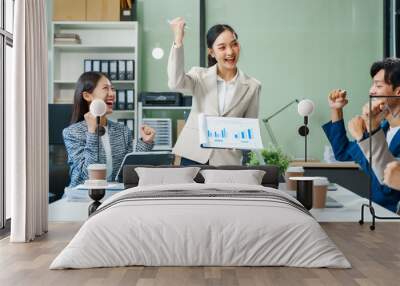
x=229, y=132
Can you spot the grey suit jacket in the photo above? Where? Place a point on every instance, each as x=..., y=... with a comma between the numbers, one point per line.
x=202, y=84
x=82, y=148
x=381, y=155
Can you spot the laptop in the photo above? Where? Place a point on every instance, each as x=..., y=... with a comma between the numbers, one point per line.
x=155, y=158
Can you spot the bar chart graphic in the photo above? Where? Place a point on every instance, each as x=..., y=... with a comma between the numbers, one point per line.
x=229, y=132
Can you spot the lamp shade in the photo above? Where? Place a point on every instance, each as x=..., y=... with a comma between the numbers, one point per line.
x=98, y=107
x=305, y=107
x=157, y=53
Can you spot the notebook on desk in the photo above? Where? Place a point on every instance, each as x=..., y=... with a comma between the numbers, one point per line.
x=332, y=203
x=329, y=203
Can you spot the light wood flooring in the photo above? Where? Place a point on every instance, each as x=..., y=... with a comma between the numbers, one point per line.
x=374, y=255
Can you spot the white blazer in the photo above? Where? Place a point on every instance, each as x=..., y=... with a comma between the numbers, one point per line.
x=202, y=84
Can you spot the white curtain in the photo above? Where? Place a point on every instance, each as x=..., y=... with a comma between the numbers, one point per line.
x=26, y=123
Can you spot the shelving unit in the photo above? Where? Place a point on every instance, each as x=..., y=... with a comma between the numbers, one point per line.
x=166, y=107
x=99, y=41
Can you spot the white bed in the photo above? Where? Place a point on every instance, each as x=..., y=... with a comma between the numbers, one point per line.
x=201, y=224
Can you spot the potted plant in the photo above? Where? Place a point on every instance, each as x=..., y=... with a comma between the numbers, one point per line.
x=271, y=156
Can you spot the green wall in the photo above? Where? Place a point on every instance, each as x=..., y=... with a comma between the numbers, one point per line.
x=155, y=32
x=297, y=49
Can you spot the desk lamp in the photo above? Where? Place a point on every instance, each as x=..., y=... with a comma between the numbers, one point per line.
x=305, y=108
x=268, y=127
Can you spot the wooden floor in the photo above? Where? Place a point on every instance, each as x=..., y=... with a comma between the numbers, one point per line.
x=374, y=255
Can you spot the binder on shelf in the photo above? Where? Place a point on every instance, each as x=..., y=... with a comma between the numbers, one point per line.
x=96, y=65
x=104, y=67
x=127, y=10
x=129, y=99
x=130, y=70
x=129, y=124
x=113, y=70
x=87, y=65
x=121, y=70
x=121, y=99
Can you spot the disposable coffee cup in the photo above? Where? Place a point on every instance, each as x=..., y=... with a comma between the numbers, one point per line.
x=293, y=172
x=304, y=191
x=97, y=171
x=319, y=192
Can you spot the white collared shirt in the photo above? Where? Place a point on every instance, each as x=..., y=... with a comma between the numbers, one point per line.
x=391, y=133
x=105, y=140
x=226, y=91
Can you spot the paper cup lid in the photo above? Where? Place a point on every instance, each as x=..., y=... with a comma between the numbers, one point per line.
x=321, y=181
x=97, y=167
x=317, y=181
x=302, y=178
x=295, y=169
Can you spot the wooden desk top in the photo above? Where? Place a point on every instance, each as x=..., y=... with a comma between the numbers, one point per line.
x=335, y=165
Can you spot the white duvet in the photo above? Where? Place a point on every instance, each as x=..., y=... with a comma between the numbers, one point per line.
x=190, y=230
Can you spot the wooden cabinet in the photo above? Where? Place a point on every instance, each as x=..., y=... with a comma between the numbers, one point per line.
x=69, y=10
x=102, y=10
x=86, y=10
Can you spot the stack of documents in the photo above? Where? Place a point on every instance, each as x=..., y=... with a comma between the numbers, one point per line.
x=66, y=38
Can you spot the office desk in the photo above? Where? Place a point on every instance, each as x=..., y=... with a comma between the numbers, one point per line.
x=324, y=165
x=351, y=210
x=346, y=174
x=62, y=210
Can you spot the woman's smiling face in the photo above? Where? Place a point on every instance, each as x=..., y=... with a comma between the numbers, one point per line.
x=226, y=50
x=105, y=91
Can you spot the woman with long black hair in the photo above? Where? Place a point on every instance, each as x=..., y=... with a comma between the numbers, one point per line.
x=80, y=137
x=222, y=89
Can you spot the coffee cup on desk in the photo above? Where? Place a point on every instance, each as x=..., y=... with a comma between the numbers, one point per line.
x=293, y=172
x=319, y=192
x=97, y=171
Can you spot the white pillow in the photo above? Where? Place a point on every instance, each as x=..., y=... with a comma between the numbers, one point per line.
x=248, y=177
x=166, y=176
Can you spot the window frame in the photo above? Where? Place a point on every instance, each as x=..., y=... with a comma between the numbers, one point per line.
x=6, y=39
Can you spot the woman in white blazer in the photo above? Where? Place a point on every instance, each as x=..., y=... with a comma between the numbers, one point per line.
x=219, y=90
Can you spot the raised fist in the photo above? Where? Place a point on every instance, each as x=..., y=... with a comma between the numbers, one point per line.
x=178, y=27
x=337, y=99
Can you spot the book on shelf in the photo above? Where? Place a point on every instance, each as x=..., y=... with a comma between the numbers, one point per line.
x=66, y=35
x=67, y=38
x=67, y=41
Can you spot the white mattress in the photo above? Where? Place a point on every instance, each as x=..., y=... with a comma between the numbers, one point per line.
x=189, y=231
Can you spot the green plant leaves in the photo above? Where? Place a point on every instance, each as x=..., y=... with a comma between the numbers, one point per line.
x=271, y=156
